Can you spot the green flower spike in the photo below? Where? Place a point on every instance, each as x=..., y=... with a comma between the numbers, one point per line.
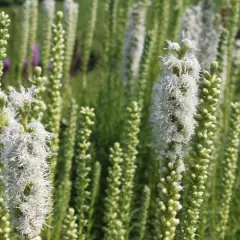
x=229, y=169
x=4, y=36
x=94, y=194
x=130, y=142
x=63, y=181
x=39, y=106
x=201, y=152
x=69, y=230
x=55, y=77
x=114, y=228
x=83, y=159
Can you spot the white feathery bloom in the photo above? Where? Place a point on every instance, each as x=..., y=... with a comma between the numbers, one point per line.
x=25, y=173
x=25, y=176
x=19, y=99
x=175, y=100
x=199, y=21
x=134, y=43
x=173, y=46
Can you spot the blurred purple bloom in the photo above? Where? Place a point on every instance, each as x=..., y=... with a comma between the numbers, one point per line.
x=6, y=64
x=36, y=55
x=50, y=65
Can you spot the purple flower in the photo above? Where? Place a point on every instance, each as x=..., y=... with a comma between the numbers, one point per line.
x=6, y=64
x=36, y=55
x=50, y=65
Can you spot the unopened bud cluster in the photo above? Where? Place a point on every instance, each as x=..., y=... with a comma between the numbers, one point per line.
x=202, y=150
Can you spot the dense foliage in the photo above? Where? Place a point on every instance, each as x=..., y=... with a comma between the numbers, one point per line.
x=122, y=123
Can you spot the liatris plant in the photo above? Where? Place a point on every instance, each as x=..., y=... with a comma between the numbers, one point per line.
x=229, y=169
x=114, y=227
x=48, y=10
x=222, y=58
x=161, y=12
x=25, y=170
x=143, y=216
x=110, y=29
x=55, y=84
x=201, y=152
x=70, y=26
x=83, y=169
x=35, y=55
x=124, y=14
x=4, y=23
x=94, y=195
x=24, y=37
x=89, y=38
x=232, y=28
x=130, y=142
x=33, y=29
x=173, y=112
x=112, y=6
x=127, y=196
x=175, y=21
x=145, y=66
x=134, y=43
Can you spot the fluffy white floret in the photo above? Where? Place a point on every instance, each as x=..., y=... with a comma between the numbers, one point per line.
x=19, y=99
x=174, y=102
x=25, y=176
